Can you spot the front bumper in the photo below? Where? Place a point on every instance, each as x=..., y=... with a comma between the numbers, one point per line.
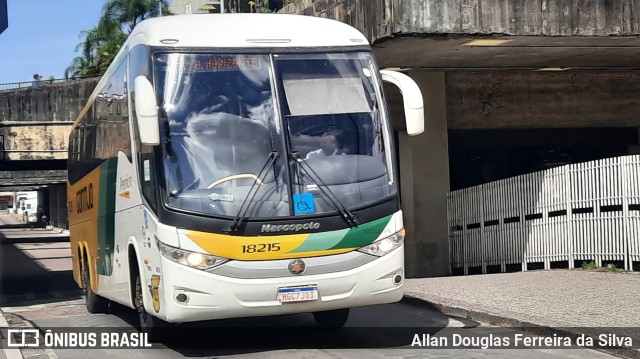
x=210, y=296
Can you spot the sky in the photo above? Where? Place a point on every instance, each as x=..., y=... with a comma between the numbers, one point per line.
x=42, y=36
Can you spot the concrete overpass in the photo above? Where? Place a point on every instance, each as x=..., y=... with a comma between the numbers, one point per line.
x=34, y=129
x=510, y=87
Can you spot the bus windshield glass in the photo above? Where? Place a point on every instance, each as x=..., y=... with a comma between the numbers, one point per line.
x=336, y=128
x=220, y=129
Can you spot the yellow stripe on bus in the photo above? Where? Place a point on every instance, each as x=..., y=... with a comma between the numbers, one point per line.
x=255, y=248
x=82, y=198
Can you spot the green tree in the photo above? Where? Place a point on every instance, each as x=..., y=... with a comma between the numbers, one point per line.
x=80, y=67
x=108, y=40
x=100, y=44
x=98, y=47
x=128, y=13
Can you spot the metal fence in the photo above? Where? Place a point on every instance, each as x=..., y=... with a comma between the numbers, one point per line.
x=19, y=85
x=559, y=217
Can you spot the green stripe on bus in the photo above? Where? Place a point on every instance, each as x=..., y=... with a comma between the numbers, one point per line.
x=356, y=237
x=363, y=235
x=321, y=241
x=106, y=215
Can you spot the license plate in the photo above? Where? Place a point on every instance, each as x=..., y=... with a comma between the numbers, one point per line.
x=297, y=294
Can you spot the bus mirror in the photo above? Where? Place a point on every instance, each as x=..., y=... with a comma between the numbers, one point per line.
x=146, y=111
x=412, y=98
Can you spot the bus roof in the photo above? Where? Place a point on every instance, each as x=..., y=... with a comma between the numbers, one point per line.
x=244, y=30
x=235, y=31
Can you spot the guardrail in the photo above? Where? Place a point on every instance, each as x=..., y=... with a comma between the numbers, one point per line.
x=555, y=218
x=25, y=84
x=19, y=85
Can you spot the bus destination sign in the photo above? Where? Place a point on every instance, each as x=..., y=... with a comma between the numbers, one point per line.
x=224, y=63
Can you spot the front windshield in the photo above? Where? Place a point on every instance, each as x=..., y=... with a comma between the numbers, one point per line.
x=221, y=125
x=218, y=131
x=336, y=131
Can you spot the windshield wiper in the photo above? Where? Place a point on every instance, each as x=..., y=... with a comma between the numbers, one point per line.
x=240, y=216
x=347, y=215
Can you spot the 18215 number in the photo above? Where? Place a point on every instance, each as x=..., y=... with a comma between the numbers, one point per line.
x=260, y=248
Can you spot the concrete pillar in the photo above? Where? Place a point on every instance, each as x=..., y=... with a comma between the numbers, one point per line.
x=43, y=203
x=424, y=183
x=58, y=206
x=53, y=211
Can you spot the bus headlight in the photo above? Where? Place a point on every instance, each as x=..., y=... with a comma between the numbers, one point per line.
x=384, y=245
x=188, y=258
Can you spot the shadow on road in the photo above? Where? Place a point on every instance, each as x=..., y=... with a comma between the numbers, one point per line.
x=380, y=326
x=23, y=278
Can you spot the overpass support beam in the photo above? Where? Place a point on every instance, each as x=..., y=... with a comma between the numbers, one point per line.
x=43, y=204
x=424, y=183
x=58, y=206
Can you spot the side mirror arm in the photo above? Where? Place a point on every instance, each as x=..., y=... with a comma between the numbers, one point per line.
x=412, y=100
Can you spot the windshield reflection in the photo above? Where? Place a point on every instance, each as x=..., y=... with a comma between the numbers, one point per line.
x=219, y=127
x=219, y=112
x=334, y=124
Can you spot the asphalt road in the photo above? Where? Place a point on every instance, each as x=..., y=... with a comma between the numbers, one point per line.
x=35, y=264
x=364, y=337
x=38, y=292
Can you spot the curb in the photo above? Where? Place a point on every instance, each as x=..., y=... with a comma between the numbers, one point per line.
x=460, y=311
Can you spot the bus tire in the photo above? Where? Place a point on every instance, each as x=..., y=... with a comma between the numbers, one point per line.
x=332, y=318
x=149, y=324
x=95, y=303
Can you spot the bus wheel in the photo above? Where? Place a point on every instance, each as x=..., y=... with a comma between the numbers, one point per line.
x=332, y=318
x=95, y=303
x=148, y=323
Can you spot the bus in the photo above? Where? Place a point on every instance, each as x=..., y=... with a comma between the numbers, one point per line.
x=239, y=165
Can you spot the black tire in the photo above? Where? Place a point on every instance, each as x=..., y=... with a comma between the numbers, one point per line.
x=149, y=324
x=332, y=318
x=95, y=303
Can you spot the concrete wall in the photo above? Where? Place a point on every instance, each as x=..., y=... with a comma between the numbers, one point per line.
x=484, y=100
x=374, y=18
x=35, y=121
x=381, y=18
x=48, y=102
x=424, y=183
x=32, y=178
x=57, y=212
x=521, y=17
x=35, y=142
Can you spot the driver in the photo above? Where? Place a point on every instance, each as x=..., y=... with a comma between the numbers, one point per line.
x=328, y=147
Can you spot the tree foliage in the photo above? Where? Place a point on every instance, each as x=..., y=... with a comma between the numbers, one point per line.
x=100, y=44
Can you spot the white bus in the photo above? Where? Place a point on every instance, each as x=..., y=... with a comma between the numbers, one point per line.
x=238, y=165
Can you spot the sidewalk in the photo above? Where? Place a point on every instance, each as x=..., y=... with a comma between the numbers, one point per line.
x=554, y=301
x=13, y=221
x=10, y=219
